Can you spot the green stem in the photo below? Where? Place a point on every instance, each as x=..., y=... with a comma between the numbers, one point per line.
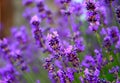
x=29, y=76
x=70, y=27
x=118, y=58
x=98, y=39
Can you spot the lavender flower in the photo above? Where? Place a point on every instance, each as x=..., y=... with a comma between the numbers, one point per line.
x=8, y=74
x=91, y=75
x=107, y=42
x=40, y=5
x=70, y=74
x=88, y=61
x=80, y=47
x=67, y=53
x=114, y=34
x=114, y=70
x=35, y=21
x=53, y=41
x=118, y=13
x=72, y=57
x=26, y=2
x=90, y=5
x=109, y=1
x=93, y=15
x=6, y=50
x=20, y=61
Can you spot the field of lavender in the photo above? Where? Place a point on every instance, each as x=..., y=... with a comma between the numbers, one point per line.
x=70, y=42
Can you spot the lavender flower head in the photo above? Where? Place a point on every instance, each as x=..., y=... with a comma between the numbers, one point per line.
x=35, y=21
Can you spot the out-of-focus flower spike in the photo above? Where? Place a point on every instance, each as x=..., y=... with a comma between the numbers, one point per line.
x=8, y=74
x=79, y=44
x=6, y=50
x=107, y=42
x=27, y=2
x=69, y=49
x=20, y=62
x=35, y=21
x=118, y=13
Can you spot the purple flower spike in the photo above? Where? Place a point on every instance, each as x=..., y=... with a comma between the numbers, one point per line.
x=108, y=1
x=118, y=13
x=88, y=61
x=107, y=42
x=80, y=47
x=93, y=16
x=92, y=75
x=93, y=27
x=72, y=57
x=27, y=13
x=53, y=77
x=98, y=58
x=70, y=74
x=35, y=21
x=6, y=50
x=40, y=5
x=114, y=34
x=8, y=74
x=90, y=5
x=53, y=41
x=26, y=2
x=62, y=76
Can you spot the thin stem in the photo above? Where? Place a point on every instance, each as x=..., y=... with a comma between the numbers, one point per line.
x=29, y=77
x=114, y=16
x=98, y=39
x=71, y=30
x=118, y=58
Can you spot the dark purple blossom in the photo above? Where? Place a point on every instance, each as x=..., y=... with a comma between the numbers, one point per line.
x=92, y=75
x=53, y=77
x=40, y=5
x=8, y=74
x=72, y=57
x=35, y=21
x=53, y=41
x=113, y=32
x=107, y=42
x=90, y=5
x=115, y=69
x=70, y=74
x=118, y=13
x=7, y=50
x=80, y=47
x=62, y=76
x=109, y=1
x=98, y=58
x=88, y=61
x=26, y=2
